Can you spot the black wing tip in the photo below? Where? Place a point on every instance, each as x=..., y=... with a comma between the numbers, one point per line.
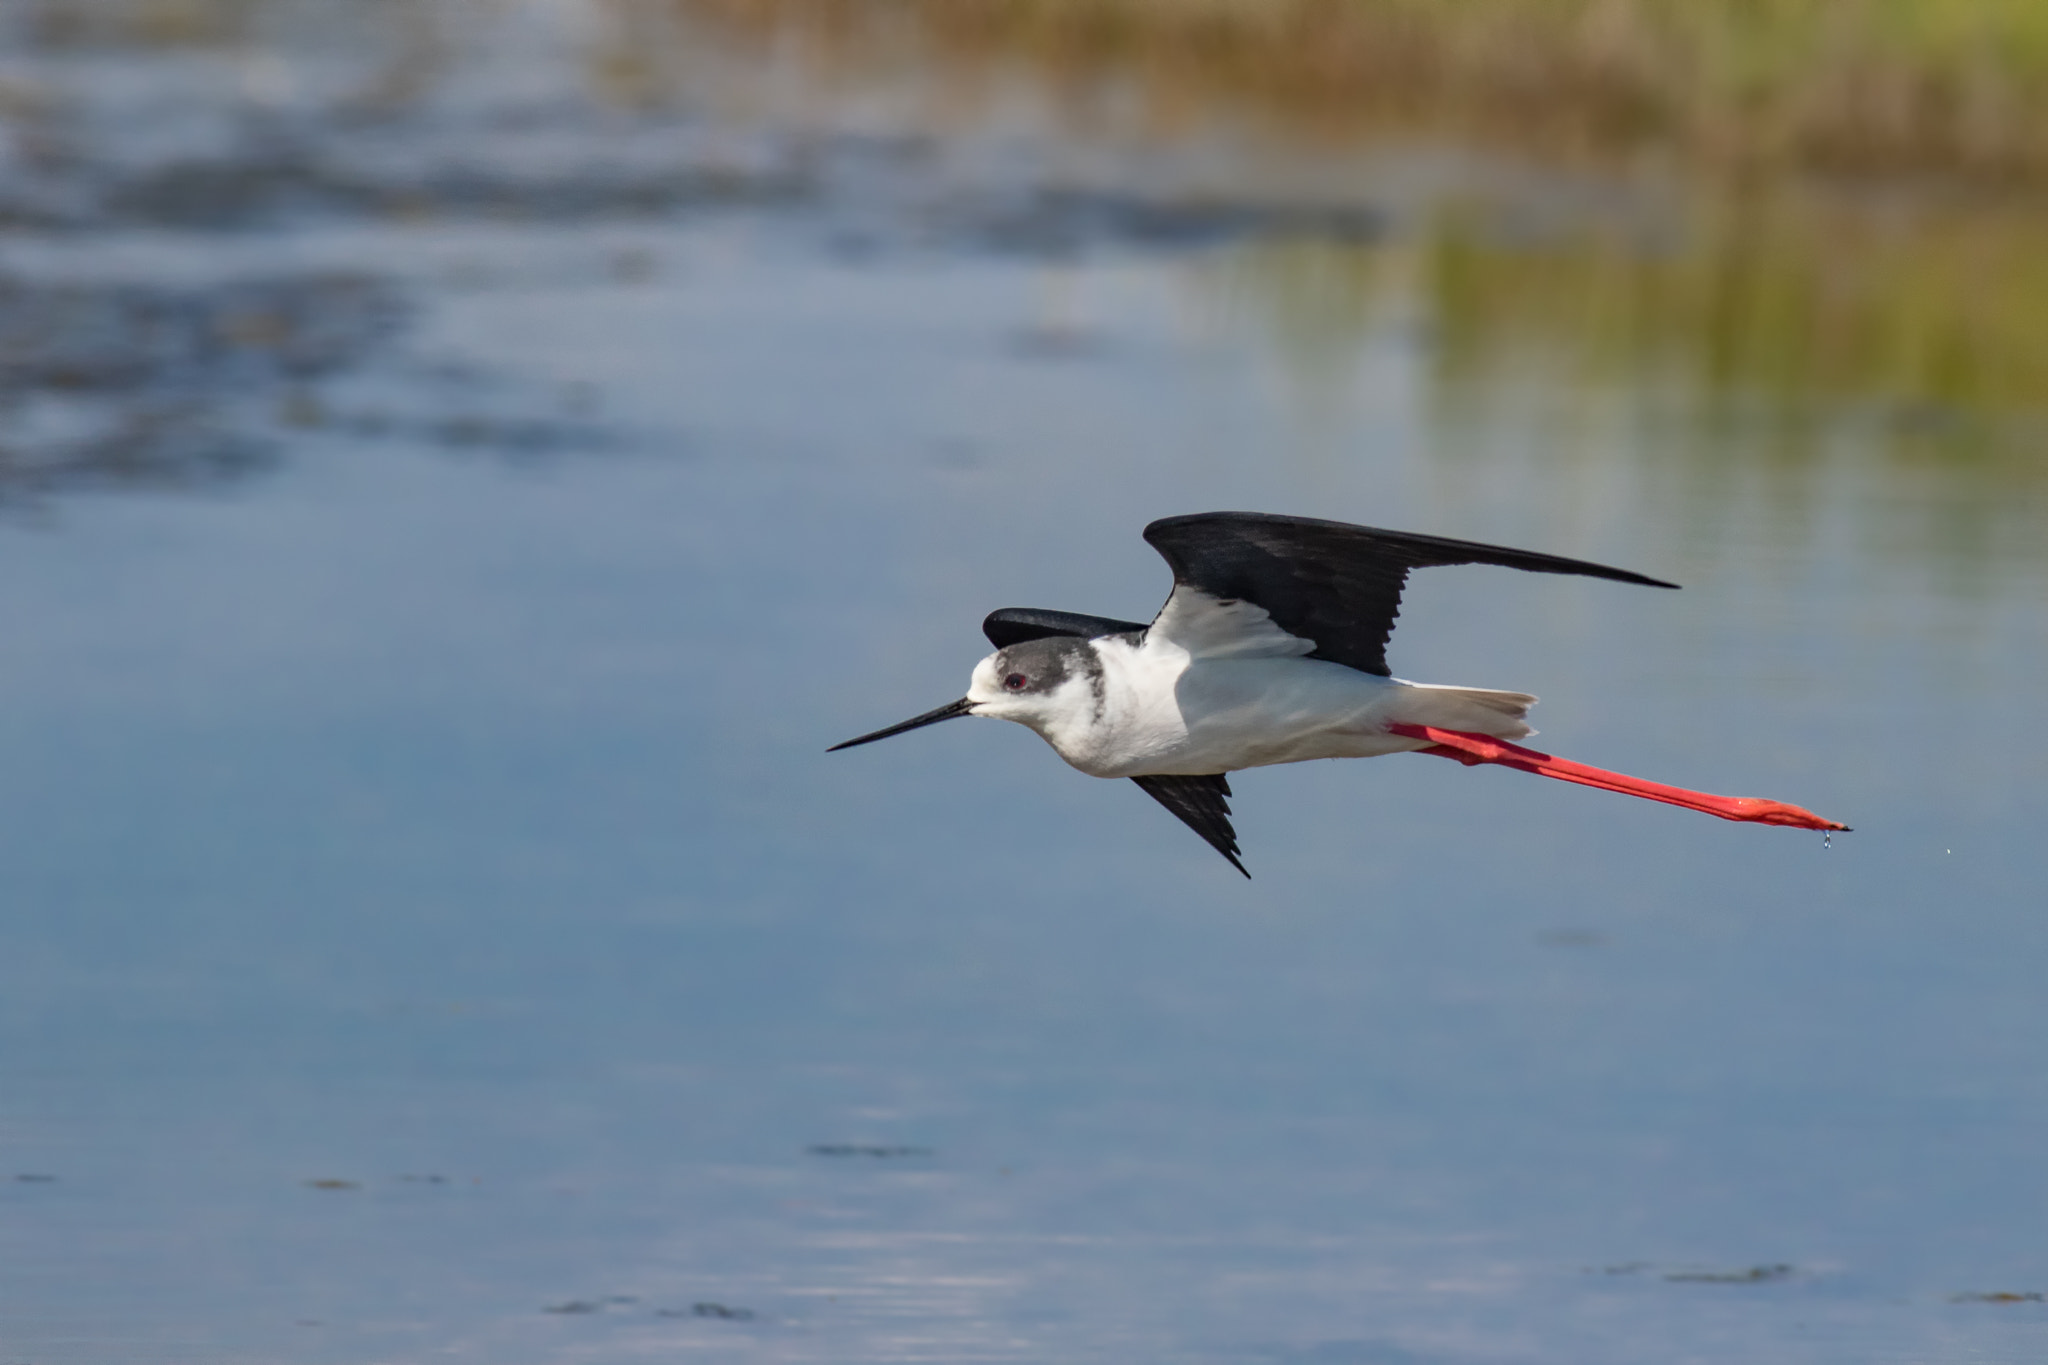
x=1549, y=563
x=1230, y=853
x=1202, y=803
x=1639, y=580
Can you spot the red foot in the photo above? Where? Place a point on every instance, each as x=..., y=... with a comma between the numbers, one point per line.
x=1471, y=749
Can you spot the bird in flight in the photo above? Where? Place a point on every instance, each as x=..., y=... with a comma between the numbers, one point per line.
x=1271, y=648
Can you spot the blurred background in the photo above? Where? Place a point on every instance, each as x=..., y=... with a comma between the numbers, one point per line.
x=462, y=462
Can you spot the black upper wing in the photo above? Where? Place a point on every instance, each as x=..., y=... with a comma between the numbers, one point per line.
x=1203, y=805
x=1015, y=625
x=1327, y=581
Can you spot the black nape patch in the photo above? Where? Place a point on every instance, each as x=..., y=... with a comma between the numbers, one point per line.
x=1047, y=664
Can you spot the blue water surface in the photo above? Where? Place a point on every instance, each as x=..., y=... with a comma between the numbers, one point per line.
x=430, y=926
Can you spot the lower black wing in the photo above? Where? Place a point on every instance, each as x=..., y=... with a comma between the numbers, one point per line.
x=1015, y=625
x=1203, y=805
x=1329, y=582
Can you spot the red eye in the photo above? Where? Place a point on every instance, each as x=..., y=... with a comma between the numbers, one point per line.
x=1016, y=682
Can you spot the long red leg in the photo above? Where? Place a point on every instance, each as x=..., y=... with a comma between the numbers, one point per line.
x=1471, y=749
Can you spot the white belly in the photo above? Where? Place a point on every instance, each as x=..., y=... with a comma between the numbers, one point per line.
x=1247, y=713
x=1174, y=715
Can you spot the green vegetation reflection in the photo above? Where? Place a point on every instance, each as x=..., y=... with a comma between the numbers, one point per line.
x=1786, y=305
x=1882, y=85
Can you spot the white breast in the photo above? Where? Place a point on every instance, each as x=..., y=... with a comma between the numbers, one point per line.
x=1163, y=712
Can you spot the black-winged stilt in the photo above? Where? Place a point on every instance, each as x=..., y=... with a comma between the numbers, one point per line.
x=1270, y=649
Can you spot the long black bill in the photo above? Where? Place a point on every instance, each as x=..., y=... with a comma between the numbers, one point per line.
x=962, y=707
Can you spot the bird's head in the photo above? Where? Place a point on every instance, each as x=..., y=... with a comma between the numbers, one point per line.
x=1048, y=685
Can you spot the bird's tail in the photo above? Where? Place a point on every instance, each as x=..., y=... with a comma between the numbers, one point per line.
x=1503, y=715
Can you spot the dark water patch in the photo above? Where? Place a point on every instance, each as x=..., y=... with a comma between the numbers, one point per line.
x=330, y=1183
x=262, y=185
x=242, y=194
x=707, y=1309
x=151, y=448
x=1057, y=220
x=703, y=1308
x=85, y=24
x=111, y=337
x=583, y=1307
x=2001, y=1296
x=1756, y=1274
x=846, y=1149
x=514, y=437
x=891, y=194
x=127, y=384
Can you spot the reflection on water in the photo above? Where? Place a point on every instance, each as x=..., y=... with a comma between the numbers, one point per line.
x=1909, y=84
x=1783, y=303
x=142, y=385
x=1771, y=340
x=429, y=923
x=1758, y=327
